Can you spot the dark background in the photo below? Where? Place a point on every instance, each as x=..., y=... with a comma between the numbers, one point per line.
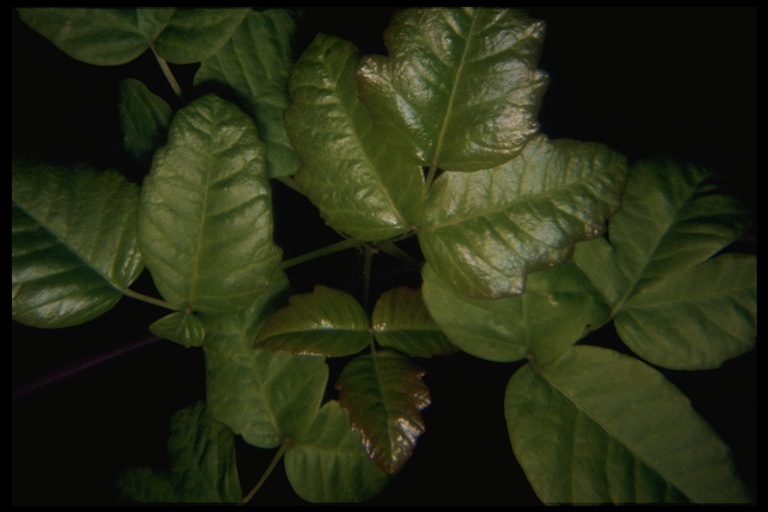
x=646, y=82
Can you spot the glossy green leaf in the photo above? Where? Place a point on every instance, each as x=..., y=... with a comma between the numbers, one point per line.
x=144, y=118
x=673, y=305
x=484, y=231
x=195, y=34
x=401, y=321
x=361, y=186
x=558, y=308
x=182, y=327
x=384, y=395
x=255, y=65
x=328, y=463
x=73, y=243
x=205, y=214
x=597, y=427
x=263, y=396
x=326, y=322
x=460, y=89
x=203, y=467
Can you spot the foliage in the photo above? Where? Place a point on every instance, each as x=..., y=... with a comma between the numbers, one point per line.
x=522, y=246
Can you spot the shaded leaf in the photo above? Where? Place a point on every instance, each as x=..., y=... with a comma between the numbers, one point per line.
x=328, y=463
x=182, y=327
x=144, y=118
x=599, y=427
x=205, y=216
x=460, y=89
x=401, y=321
x=384, y=395
x=484, y=231
x=265, y=397
x=361, y=186
x=326, y=322
x=203, y=466
x=73, y=243
x=255, y=63
x=558, y=308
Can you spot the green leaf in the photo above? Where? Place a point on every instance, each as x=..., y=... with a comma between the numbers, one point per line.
x=203, y=466
x=205, y=216
x=460, y=89
x=326, y=322
x=672, y=304
x=361, y=186
x=558, y=308
x=182, y=327
x=73, y=243
x=265, y=397
x=144, y=118
x=596, y=426
x=401, y=321
x=255, y=64
x=484, y=231
x=384, y=395
x=328, y=463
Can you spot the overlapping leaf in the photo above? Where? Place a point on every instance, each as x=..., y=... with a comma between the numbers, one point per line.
x=483, y=232
x=109, y=37
x=205, y=217
x=598, y=427
x=265, y=397
x=460, y=89
x=362, y=187
x=384, y=395
x=73, y=243
x=203, y=467
x=402, y=322
x=144, y=118
x=255, y=64
x=557, y=309
x=328, y=463
x=181, y=327
x=325, y=322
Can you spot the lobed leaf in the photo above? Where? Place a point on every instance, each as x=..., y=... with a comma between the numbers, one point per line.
x=326, y=322
x=180, y=327
x=205, y=217
x=328, y=463
x=361, y=187
x=402, y=322
x=73, y=243
x=595, y=426
x=144, y=118
x=203, y=466
x=384, y=395
x=460, y=89
x=484, y=232
x=255, y=64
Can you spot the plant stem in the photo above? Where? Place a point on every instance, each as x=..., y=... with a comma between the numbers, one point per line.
x=169, y=76
x=390, y=248
x=348, y=243
x=368, y=253
x=279, y=455
x=146, y=298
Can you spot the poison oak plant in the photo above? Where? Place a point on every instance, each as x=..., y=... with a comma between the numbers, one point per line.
x=502, y=248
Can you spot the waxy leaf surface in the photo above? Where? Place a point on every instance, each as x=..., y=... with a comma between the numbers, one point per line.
x=263, y=396
x=402, y=322
x=328, y=463
x=203, y=466
x=460, y=89
x=205, y=215
x=384, y=395
x=181, y=327
x=109, y=37
x=144, y=118
x=255, y=65
x=326, y=322
x=361, y=187
x=596, y=426
x=484, y=232
x=73, y=243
